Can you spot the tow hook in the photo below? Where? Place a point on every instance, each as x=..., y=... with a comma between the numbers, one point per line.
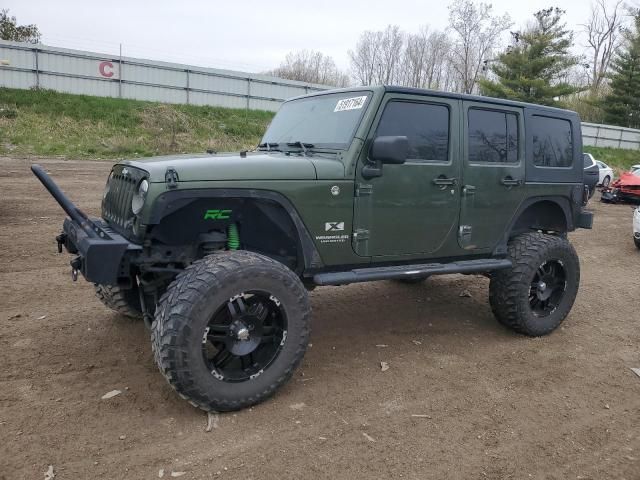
x=76, y=264
x=61, y=240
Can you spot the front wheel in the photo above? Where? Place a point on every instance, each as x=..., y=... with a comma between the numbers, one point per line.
x=231, y=329
x=123, y=301
x=606, y=181
x=537, y=293
x=637, y=242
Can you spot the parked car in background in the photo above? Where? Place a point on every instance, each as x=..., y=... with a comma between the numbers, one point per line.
x=605, y=172
x=636, y=227
x=591, y=173
x=635, y=169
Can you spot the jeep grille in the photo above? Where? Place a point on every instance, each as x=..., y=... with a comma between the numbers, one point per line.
x=116, y=206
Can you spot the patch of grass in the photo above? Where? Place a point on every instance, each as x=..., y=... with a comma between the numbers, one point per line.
x=48, y=123
x=616, y=158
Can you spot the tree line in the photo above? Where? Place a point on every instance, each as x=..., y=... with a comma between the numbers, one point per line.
x=539, y=63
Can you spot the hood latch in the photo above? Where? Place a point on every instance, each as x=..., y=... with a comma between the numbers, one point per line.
x=171, y=178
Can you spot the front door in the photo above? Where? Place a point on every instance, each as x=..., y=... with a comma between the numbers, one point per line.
x=493, y=173
x=411, y=209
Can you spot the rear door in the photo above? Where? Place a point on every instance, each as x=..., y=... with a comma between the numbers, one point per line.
x=493, y=173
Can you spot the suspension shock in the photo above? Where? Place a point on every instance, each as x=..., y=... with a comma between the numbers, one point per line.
x=233, y=237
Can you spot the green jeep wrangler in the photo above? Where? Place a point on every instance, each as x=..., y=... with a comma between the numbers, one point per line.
x=217, y=252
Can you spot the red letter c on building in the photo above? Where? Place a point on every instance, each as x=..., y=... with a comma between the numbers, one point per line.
x=103, y=69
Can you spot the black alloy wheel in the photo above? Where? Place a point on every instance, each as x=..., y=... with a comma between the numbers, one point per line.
x=547, y=288
x=244, y=336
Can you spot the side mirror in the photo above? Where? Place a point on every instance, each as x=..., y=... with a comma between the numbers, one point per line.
x=393, y=150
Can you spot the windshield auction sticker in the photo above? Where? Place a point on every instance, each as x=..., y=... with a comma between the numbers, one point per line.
x=353, y=103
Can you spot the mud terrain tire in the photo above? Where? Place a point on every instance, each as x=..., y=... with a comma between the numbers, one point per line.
x=210, y=288
x=123, y=301
x=515, y=294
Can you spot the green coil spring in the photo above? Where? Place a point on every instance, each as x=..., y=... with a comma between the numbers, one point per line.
x=233, y=238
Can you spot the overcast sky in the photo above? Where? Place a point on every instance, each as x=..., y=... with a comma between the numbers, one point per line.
x=248, y=35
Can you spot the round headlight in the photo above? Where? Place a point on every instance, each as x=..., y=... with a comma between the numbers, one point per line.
x=137, y=202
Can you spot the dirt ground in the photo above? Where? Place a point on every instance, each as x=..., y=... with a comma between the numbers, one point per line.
x=463, y=397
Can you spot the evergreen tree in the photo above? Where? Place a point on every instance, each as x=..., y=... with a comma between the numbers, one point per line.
x=622, y=105
x=533, y=67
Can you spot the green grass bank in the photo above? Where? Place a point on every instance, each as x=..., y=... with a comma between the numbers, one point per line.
x=48, y=123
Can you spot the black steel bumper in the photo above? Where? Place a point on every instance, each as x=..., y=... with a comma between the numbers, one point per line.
x=102, y=260
x=103, y=256
x=584, y=220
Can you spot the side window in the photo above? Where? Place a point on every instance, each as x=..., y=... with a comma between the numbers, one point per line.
x=425, y=125
x=552, y=142
x=587, y=160
x=493, y=136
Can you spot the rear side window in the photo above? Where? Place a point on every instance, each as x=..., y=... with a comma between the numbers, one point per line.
x=587, y=160
x=493, y=136
x=552, y=142
x=425, y=125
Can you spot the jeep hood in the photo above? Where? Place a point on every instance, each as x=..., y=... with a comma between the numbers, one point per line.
x=253, y=166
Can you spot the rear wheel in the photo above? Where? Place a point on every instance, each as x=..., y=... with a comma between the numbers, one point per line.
x=123, y=301
x=537, y=293
x=231, y=329
x=637, y=242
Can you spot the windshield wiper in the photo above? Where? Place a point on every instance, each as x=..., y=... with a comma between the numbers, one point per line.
x=303, y=146
x=269, y=146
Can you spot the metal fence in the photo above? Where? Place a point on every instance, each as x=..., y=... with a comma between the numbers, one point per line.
x=24, y=65
x=610, y=136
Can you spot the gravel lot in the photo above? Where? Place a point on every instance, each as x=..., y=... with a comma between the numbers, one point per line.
x=463, y=397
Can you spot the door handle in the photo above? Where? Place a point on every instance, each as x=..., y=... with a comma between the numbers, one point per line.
x=443, y=181
x=509, y=181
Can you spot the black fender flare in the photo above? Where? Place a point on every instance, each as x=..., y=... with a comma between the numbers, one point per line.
x=170, y=201
x=562, y=202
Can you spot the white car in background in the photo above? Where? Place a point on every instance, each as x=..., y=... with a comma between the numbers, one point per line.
x=635, y=169
x=606, y=172
x=636, y=227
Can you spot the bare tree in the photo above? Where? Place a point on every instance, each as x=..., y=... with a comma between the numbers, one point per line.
x=365, y=57
x=312, y=67
x=425, y=60
x=477, y=34
x=390, y=49
x=377, y=56
x=603, y=37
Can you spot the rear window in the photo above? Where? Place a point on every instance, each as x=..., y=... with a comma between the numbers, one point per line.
x=552, y=142
x=425, y=125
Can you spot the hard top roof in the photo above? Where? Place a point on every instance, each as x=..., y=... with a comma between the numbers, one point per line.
x=437, y=93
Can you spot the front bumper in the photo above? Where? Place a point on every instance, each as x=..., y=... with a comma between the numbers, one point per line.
x=103, y=256
x=104, y=259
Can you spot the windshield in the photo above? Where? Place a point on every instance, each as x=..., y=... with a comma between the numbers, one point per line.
x=328, y=121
